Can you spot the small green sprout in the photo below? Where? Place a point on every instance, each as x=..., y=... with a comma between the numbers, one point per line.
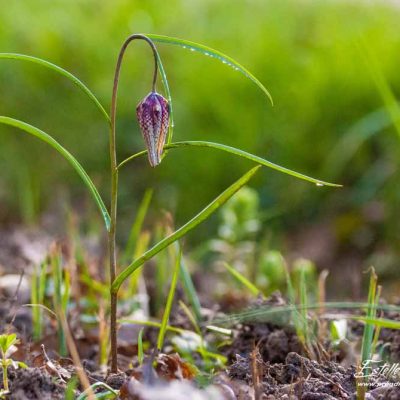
x=6, y=347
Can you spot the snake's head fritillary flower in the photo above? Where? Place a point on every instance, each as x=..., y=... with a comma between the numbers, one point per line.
x=153, y=116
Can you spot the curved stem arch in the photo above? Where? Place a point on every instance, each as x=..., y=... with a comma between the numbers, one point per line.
x=67, y=155
x=114, y=186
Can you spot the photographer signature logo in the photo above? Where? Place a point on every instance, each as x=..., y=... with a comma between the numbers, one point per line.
x=372, y=368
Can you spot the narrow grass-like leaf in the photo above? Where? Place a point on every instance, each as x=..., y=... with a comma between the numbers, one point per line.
x=161, y=263
x=379, y=322
x=237, y=152
x=70, y=389
x=352, y=139
x=371, y=313
x=110, y=395
x=58, y=299
x=67, y=155
x=38, y=287
x=202, y=348
x=59, y=70
x=191, y=317
x=140, y=347
x=208, y=51
x=382, y=84
x=303, y=312
x=217, y=329
x=378, y=329
x=183, y=230
x=190, y=290
x=152, y=324
x=43, y=307
x=296, y=312
x=268, y=314
x=137, y=224
x=36, y=312
x=242, y=279
x=170, y=299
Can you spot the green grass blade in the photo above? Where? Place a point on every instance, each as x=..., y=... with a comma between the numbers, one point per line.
x=190, y=317
x=38, y=287
x=190, y=290
x=381, y=83
x=351, y=141
x=379, y=322
x=378, y=329
x=242, y=279
x=43, y=307
x=183, y=230
x=67, y=155
x=36, y=319
x=371, y=313
x=140, y=347
x=168, y=306
x=237, y=152
x=57, y=275
x=295, y=310
x=151, y=324
x=137, y=224
x=56, y=68
x=70, y=389
x=208, y=51
x=271, y=313
x=110, y=392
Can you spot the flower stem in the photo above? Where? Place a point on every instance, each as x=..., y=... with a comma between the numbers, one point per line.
x=114, y=190
x=5, y=377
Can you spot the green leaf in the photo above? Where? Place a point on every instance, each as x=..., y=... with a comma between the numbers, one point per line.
x=271, y=314
x=208, y=51
x=368, y=334
x=67, y=155
x=381, y=83
x=140, y=347
x=153, y=324
x=239, y=153
x=190, y=290
x=11, y=340
x=6, y=341
x=109, y=393
x=380, y=322
x=242, y=279
x=137, y=225
x=170, y=299
x=22, y=365
x=56, y=68
x=183, y=230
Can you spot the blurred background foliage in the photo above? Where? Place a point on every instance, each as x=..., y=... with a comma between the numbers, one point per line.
x=332, y=68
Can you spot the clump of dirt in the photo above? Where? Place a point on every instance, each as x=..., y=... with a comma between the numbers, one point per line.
x=301, y=378
x=34, y=383
x=273, y=340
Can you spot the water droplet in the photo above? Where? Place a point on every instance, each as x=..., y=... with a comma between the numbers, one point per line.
x=192, y=49
x=207, y=54
x=319, y=184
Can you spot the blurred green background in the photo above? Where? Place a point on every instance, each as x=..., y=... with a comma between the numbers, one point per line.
x=332, y=68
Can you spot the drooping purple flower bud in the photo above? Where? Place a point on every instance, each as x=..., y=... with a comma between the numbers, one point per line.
x=153, y=116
